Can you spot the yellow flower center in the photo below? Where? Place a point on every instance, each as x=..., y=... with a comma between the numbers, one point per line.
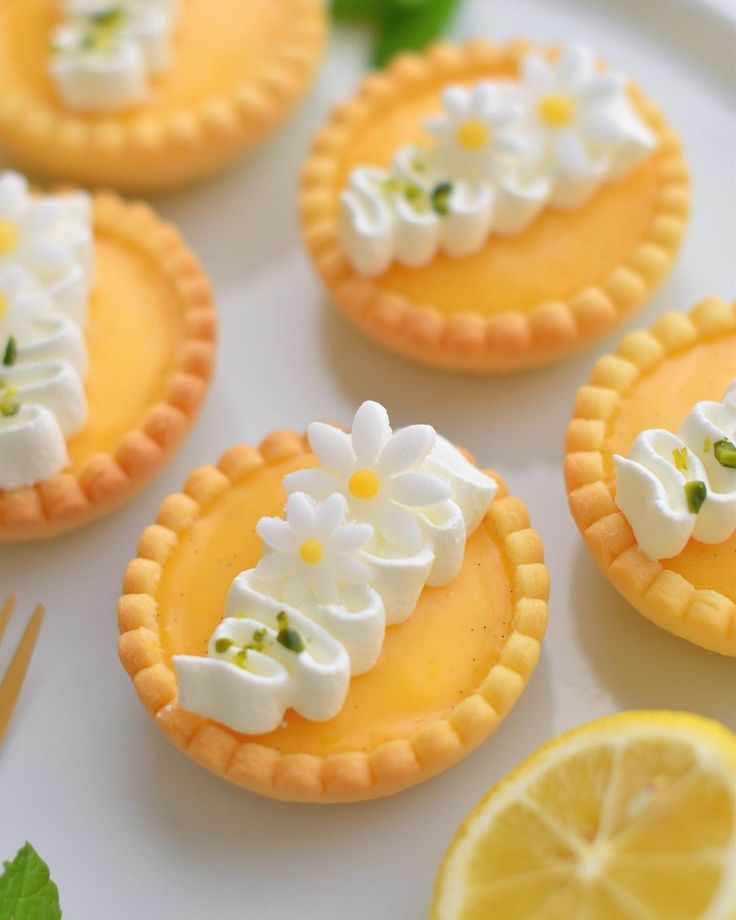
x=473, y=134
x=556, y=110
x=311, y=551
x=3, y=304
x=364, y=484
x=8, y=236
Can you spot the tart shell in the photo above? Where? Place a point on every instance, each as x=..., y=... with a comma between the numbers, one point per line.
x=105, y=480
x=473, y=341
x=145, y=151
x=703, y=616
x=348, y=776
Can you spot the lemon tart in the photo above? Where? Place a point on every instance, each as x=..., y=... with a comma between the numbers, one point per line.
x=651, y=472
x=338, y=618
x=488, y=208
x=142, y=95
x=106, y=348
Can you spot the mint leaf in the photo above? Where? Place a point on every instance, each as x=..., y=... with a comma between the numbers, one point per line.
x=26, y=889
x=359, y=9
x=411, y=25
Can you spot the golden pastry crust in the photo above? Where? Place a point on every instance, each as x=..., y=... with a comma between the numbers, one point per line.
x=350, y=776
x=471, y=341
x=69, y=500
x=149, y=152
x=705, y=617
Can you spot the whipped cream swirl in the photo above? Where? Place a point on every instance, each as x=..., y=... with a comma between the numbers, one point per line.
x=46, y=256
x=676, y=486
x=384, y=514
x=502, y=151
x=105, y=52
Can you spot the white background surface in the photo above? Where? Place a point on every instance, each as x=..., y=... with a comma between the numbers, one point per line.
x=130, y=827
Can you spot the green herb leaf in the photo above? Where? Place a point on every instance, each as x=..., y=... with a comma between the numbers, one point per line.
x=725, y=453
x=695, y=493
x=365, y=10
x=26, y=889
x=411, y=25
x=11, y=352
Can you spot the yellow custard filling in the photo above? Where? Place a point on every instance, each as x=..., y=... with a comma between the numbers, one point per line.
x=662, y=399
x=217, y=45
x=437, y=657
x=560, y=253
x=134, y=334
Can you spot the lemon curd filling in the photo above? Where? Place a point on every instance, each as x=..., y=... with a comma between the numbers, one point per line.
x=556, y=110
x=311, y=552
x=8, y=236
x=364, y=484
x=473, y=134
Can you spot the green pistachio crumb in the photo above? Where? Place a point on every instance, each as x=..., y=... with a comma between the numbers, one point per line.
x=222, y=645
x=290, y=638
x=707, y=444
x=10, y=355
x=440, y=198
x=695, y=493
x=725, y=453
x=679, y=456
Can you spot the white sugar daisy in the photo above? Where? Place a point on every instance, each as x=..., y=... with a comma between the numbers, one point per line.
x=378, y=471
x=314, y=551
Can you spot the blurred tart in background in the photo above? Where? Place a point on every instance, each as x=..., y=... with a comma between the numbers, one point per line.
x=651, y=472
x=489, y=208
x=142, y=95
x=106, y=348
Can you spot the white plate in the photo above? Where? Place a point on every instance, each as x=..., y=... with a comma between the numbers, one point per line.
x=131, y=827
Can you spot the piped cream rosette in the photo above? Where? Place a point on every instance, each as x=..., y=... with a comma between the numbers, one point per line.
x=46, y=256
x=383, y=515
x=676, y=486
x=502, y=152
x=106, y=51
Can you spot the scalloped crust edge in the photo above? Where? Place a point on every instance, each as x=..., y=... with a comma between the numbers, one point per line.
x=69, y=500
x=704, y=617
x=350, y=776
x=181, y=146
x=471, y=341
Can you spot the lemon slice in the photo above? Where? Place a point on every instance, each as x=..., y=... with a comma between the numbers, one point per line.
x=631, y=817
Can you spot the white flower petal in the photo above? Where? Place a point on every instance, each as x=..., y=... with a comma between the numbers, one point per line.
x=370, y=432
x=570, y=153
x=602, y=125
x=350, y=570
x=406, y=449
x=399, y=527
x=439, y=127
x=274, y=565
x=277, y=534
x=601, y=87
x=536, y=73
x=419, y=490
x=483, y=100
x=300, y=514
x=456, y=100
x=298, y=586
x=575, y=66
x=325, y=586
x=330, y=514
x=331, y=446
x=13, y=195
x=350, y=537
x=316, y=483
